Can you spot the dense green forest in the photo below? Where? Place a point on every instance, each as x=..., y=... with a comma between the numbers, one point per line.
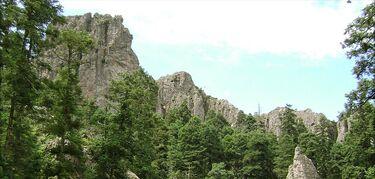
x=48, y=130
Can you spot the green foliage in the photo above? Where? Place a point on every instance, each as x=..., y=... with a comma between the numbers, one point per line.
x=181, y=114
x=21, y=40
x=126, y=135
x=45, y=124
x=218, y=171
x=249, y=155
x=247, y=122
x=63, y=100
x=160, y=141
x=187, y=154
x=358, y=150
x=317, y=148
x=258, y=157
x=360, y=45
x=284, y=155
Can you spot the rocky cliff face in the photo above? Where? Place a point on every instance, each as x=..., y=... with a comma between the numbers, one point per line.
x=302, y=167
x=175, y=89
x=344, y=126
x=111, y=56
x=179, y=87
x=272, y=121
x=223, y=107
x=342, y=129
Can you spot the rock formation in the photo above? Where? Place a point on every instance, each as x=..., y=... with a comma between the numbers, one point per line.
x=302, y=167
x=179, y=87
x=131, y=175
x=225, y=108
x=342, y=129
x=272, y=121
x=111, y=56
x=344, y=125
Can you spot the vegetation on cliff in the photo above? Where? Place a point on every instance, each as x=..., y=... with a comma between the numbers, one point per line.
x=48, y=129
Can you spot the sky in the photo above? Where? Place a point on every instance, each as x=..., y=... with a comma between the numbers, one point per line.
x=266, y=52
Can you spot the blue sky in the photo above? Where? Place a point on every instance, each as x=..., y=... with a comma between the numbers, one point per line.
x=248, y=52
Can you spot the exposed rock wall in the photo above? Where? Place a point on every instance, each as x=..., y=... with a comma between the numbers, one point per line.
x=175, y=89
x=302, y=167
x=225, y=108
x=272, y=121
x=179, y=87
x=344, y=126
x=111, y=56
x=342, y=129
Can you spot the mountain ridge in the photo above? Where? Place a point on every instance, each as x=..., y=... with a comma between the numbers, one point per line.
x=113, y=55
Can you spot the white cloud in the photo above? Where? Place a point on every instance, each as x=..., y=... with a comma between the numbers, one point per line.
x=293, y=27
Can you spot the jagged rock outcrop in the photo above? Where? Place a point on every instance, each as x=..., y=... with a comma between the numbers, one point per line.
x=272, y=121
x=111, y=55
x=225, y=108
x=302, y=167
x=344, y=125
x=131, y=175
x=342, y=129
x=175, y=89
x=179, y=87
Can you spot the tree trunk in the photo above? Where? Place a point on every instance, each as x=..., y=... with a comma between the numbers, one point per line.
x=9, y=136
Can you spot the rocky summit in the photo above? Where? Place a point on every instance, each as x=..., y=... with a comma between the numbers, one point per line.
x=302, y=167
x=272, y=120
x=179, y=87
x=111, y=55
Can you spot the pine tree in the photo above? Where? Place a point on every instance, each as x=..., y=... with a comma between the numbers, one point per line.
x=125, y=142
x=258, y=157
x=22, y=39
x=65, y=108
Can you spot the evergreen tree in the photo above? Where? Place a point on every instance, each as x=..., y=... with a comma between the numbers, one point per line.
x=176, y=119
x=190, y=150
x=357, y=153
x=258, y=157
x=218, y=171
x=247, y=122
x=284, y=155
x=65, y=106
x=316, y=148
x=22, y=37
x=160, y=141
x=125, y=142
x=289, y=123
x=214, y=129
x=360, y=45
x=235, y=145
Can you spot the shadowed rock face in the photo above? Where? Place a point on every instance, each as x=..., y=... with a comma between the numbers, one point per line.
x=179, y=87
x=272, y=121
x=302, y=167
x=111, y=56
